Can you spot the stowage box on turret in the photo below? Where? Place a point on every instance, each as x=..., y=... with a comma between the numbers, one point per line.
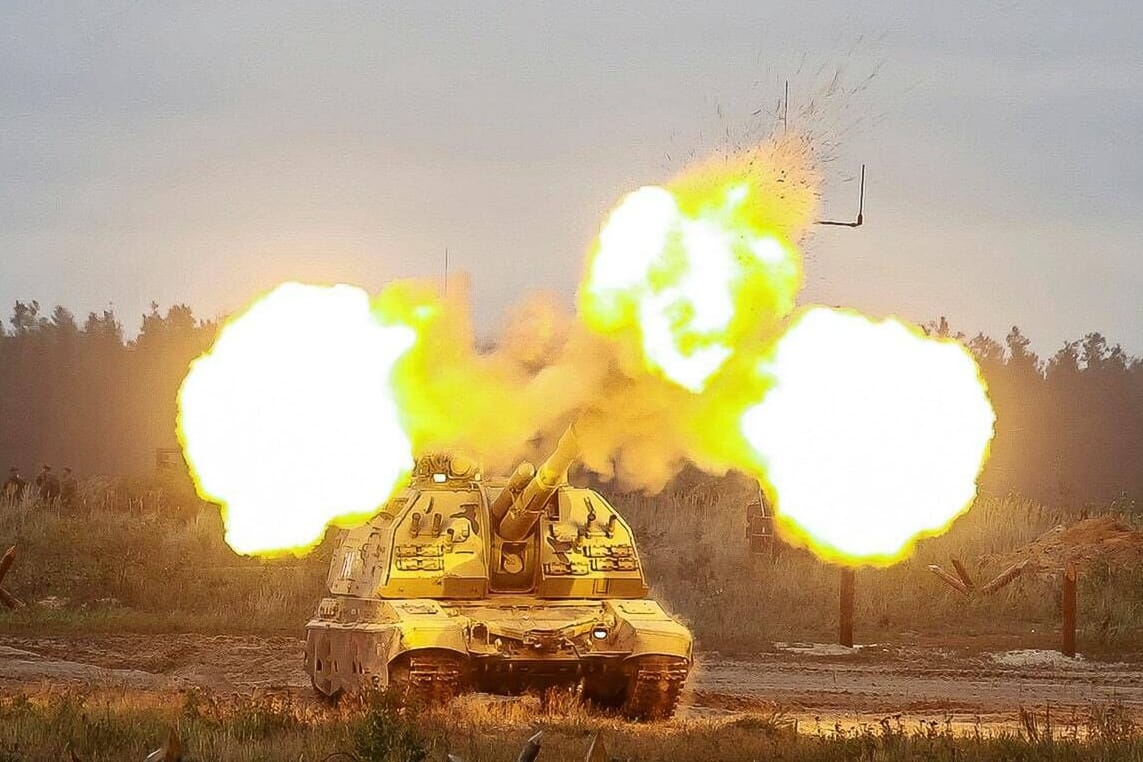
x=501, y=586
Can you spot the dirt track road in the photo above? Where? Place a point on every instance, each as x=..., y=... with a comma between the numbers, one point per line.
x=879, y=682
x=817, y=684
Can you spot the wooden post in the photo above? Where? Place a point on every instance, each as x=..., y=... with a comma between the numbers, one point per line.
x=845, y=610
x=1068, y=609
x=6, y=598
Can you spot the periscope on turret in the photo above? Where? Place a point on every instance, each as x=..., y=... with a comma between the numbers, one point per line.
x=499, y=585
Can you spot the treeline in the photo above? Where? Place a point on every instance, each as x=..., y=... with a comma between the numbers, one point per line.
x=82, y=395
x=1069, y=426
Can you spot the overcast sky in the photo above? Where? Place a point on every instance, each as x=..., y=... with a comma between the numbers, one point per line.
x=149, y=151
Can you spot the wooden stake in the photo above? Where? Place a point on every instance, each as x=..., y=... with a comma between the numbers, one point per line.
x=10, y=601
x=954, y=582
x=531, y=748
x=1068, y=609
x=6, y=598
x=845, y=610
x=1003, y=578
x=597, y=752
x=6, y=561
x=962, y=573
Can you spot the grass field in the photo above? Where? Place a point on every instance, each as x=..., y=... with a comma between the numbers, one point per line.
x=738, y=601
x=98, y=728
x=148, y=557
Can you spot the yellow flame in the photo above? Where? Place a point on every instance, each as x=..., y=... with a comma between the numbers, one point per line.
x=868, y=434
x=289, y=420
x=871, y=436
x=689, y=273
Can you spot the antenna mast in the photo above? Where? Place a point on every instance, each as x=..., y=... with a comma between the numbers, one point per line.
x=786, y=108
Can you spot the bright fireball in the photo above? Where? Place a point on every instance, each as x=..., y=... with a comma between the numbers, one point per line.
x=871, y=437
x=289, y=421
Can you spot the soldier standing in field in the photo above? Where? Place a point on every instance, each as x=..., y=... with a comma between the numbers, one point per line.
x=68, y=488
x=47, y=485
x=14, y=487
x=40, y=483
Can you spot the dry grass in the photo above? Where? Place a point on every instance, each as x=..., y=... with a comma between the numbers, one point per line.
x=144, y=558
x=145, y=563
x=692, y=542
x=127, y=727
x=97, y=728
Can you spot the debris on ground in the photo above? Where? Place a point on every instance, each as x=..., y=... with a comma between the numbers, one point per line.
x=1036, y=657
x=818, y=649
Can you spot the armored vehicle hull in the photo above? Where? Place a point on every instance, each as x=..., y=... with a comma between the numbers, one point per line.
x=628, y=654
x=523, y=584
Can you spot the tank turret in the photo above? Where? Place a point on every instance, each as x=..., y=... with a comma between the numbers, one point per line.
x=503, y=585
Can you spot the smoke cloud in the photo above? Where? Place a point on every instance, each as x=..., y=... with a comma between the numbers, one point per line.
x=707, y=271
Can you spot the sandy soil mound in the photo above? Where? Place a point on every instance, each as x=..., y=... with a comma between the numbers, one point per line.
x=1107, y=539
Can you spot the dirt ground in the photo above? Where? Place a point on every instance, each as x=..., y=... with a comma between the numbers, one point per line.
x=820, y=686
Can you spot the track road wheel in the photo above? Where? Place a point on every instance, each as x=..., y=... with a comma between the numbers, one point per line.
x=653, y=687
x=428, y=678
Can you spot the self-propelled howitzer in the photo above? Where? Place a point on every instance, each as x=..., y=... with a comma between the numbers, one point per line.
x=500, y=585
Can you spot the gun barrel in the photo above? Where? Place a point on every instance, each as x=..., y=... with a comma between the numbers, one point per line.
x=523, y=474
x=526, y=507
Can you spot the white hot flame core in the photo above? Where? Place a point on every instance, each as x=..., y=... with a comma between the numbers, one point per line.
x=289, y=420
x=872, y=434
x=676, y=277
